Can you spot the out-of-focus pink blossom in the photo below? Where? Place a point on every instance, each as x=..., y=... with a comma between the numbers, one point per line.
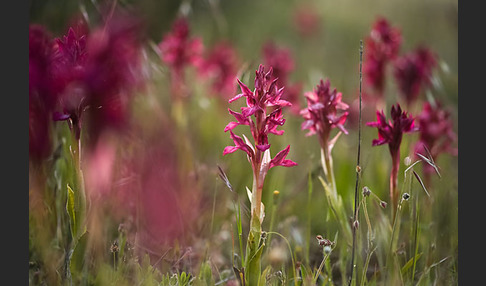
x=306, y=21
x=113, y=71
x=41, y=98
x=387, y=39
x=149, y=187
x=324, y=112
x=98, y=74
x=99, y=168
x=179, y=50
x=381, y=46
x=68, y=72
x=413, y=71
x=435, y=132
x=221, y=66
x=282, y=63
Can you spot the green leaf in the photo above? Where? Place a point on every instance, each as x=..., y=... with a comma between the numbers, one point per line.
x=71, y=212
x=254, y=250
x=77, y=257
x=410, y=263
x=205, y=277
x=263, y=279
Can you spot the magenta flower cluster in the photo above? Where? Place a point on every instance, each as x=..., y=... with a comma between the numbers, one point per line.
x=325, y=111
x=263, y=114
x=391, y=133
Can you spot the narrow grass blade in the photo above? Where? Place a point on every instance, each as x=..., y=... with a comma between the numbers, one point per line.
x=410, y=263
x=421, y=183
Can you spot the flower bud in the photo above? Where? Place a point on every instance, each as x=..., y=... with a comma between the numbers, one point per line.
x=327, y=249
x=407, y=161
x=366, y=191
x=406, y=196
x=275, y=196
x=356, y=224
x=383, y=204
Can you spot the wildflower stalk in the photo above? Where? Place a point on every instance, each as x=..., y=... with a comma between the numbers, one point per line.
x=324, y=259
x=326, y=111
x=392, y=245
x=369, y=251
x=309, y=215
x=358, y=167
x=265, y=95
x=394, y=193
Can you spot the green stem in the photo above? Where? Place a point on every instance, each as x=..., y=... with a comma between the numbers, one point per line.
x=396, y=228
x=320, y=269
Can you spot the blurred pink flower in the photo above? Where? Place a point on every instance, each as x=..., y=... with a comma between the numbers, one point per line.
x=413, y=71
x=221, y=66
x=282, y=63
x=436, y=132
x=99, y=168
x=113, y=71
x=41, y=98
x=179, y=50
x=149, y=188
x=381, y=46
x=68, y=70
x=306, y=21
x=98, y=73
x=321, y=114
x=387, y=39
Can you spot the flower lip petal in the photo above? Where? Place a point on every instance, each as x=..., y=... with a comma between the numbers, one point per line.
x=57, y=116
x=279, y=159
x=263, y=147
x=229, y=149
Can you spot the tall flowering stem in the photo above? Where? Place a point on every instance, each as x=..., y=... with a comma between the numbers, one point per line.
x=263, y=114
x=324, y=113
x=391, y=133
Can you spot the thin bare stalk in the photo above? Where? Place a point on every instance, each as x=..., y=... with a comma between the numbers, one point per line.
x=316, y=276
x=358, y=167
x=369, y=251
